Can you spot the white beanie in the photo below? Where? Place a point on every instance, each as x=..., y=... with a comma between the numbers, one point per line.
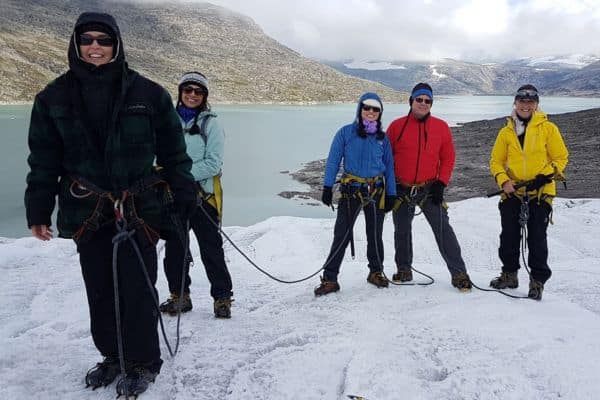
x=194, y=77
x=372, y=103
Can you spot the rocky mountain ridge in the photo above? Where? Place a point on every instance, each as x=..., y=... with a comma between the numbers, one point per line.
x=163, y=40
x=554, y=76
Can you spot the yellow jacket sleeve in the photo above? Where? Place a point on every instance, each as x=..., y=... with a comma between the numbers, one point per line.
x=498, y=158
x=557, y=151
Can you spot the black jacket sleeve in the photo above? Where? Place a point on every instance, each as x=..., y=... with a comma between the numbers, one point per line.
x=45, y=163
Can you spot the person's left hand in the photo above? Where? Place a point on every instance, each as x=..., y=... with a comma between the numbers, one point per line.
x=41, y=232
x=185, y=198
x=327, y=196
x=436, y=192
x=539, y=181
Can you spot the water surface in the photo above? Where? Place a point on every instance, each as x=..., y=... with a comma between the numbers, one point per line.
x=261, y=142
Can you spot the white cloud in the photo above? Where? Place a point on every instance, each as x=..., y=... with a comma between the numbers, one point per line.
x=474, y=17
x=372, y=65
x=427, y=29
x=305, y=32
x=573, y=7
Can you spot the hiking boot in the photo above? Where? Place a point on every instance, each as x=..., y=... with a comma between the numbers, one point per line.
x=326, y=287
x=506, y=280
x=222, y=307
x=535, y=290
x=103, y=373
x=462, y=282
x=404, y=274
x=136, y=381
x=174, y=304
x=377, y=279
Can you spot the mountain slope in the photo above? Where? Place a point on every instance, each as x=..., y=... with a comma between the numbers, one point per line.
x=582, y=82
x=163, y=40
x=553, y=76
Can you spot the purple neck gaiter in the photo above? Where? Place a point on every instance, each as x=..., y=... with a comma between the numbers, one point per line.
x=187, y=114
x=370, y=126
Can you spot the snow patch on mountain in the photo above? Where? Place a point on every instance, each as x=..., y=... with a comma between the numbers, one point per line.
x=435, y=73
x=575, y=61
x=373, y=65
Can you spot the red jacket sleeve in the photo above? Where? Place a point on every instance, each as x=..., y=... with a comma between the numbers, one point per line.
x=447, y=157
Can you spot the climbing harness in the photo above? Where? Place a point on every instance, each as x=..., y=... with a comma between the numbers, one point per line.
x=366, y=189
x=127, y=224
x=82, y=188
x=415, y=194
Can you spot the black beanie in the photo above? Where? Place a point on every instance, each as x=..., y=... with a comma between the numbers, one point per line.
x=527, y=92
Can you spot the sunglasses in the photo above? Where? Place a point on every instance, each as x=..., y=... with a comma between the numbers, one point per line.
x=371, y=108
x=526, y=93
x=104, y=41
x=422, y=100
x=190, y=89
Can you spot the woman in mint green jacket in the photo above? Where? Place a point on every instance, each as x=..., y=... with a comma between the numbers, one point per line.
x=205, y=142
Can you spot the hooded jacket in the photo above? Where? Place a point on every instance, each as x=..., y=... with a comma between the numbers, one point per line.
x=106, y=124
x=365, y=157
x=543, y=150
x=207, y=157
x=423, y=149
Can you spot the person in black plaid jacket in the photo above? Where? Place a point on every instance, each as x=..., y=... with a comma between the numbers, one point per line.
x=104, y=124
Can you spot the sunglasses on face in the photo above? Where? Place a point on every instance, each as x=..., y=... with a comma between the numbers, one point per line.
x=371, y=108
x=422, y=100
x=87, y=40
x=526, y=93
x=190, y=89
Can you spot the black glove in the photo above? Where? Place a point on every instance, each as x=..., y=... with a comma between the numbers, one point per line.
x=539, y=181
x=436, y=192
x=327, y=195
x=185, y=198
x=390, y=203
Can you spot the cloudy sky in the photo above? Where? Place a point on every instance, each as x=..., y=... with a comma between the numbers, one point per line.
x=428, y=29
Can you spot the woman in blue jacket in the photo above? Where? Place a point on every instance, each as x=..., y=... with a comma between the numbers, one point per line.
x=367, y=182
x=205, y=142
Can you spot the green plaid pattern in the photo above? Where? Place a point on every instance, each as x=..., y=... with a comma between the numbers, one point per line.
x=145, y=128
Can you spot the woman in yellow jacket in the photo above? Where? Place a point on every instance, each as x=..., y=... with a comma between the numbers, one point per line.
x=528, y=148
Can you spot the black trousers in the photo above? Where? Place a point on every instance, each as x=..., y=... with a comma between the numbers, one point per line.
x=510, y=237
x=139, y=317
x=437, y=218
x=211, y=252
x=348, y=208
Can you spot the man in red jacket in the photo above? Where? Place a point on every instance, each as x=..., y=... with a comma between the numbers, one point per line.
x=424, y=158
